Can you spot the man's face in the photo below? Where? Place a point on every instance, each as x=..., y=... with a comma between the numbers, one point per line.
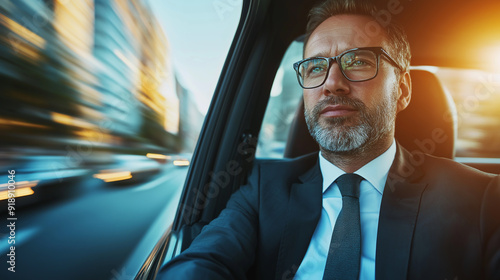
x=346, y=116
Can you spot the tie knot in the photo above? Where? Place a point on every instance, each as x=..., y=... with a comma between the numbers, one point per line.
x=349, y=184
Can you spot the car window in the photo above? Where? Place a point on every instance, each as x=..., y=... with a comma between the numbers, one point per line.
x=477, y=98
x=285, y=95
x=476, y=94
x=101, y=105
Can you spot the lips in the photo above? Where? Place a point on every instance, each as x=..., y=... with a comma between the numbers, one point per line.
x=338, y=111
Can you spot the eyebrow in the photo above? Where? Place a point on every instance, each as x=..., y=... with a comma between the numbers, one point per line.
x=323, y=54
x=319, y=54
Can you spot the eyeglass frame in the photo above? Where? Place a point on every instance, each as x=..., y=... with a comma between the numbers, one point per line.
x=377, y=50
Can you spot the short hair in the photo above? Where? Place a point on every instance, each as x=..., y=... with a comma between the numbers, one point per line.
x=397, y=39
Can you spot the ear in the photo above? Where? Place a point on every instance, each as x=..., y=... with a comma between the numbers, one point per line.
x=404, y=91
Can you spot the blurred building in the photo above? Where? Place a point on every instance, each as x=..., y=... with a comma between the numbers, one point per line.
x=92, y=73
x=191, y=121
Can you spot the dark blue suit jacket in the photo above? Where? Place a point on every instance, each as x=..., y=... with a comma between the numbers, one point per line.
x=438, y=220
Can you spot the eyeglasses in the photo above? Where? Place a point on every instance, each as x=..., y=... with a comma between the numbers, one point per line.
x=357, y=65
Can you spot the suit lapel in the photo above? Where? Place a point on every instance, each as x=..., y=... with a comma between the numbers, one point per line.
x=303, y=213
x=398, y=215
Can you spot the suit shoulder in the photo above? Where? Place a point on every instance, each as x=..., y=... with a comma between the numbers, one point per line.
x=284, y=168
x=445, y=173
x=447, y=166
x=304, y=162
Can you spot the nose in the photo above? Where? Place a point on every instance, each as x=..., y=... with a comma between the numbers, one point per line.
x=335, y=82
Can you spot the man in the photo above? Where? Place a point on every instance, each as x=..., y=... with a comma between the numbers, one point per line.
x=354, y=211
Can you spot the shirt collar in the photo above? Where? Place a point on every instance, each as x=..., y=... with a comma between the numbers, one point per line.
x=375, y=172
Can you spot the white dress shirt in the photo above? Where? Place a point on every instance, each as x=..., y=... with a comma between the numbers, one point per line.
x=374, y=176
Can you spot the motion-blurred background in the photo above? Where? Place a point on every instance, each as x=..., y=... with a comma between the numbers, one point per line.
x=99, y=122
x=101, y=105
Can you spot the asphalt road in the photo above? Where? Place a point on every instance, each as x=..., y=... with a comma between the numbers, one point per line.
x=91, y=232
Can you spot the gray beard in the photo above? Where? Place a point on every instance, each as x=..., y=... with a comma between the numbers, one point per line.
x=336, y=137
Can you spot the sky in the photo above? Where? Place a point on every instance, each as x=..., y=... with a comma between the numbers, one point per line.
x=199, y=34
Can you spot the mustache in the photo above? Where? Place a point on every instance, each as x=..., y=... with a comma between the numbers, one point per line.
x=338, y=100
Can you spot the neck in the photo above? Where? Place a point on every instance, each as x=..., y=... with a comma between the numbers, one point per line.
x=351, y=161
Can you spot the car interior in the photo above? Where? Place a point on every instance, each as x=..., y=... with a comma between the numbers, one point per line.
x=456, y=34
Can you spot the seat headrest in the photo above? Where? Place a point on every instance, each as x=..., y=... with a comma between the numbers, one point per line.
x=427, y=125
